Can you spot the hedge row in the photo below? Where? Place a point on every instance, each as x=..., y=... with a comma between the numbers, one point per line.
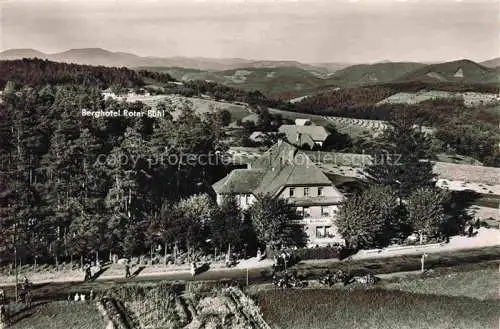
x=316, y=253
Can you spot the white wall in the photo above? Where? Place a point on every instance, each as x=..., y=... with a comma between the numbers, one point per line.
x=243, y=200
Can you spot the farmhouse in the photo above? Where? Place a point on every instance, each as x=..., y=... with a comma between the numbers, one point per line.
x=286, y=172
x=305, y=135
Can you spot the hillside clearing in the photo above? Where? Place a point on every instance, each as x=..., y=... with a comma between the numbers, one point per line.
x=374, y=309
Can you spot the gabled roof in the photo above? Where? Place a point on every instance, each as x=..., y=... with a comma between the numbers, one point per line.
x=290, y=168
x=317, y=133
x=239, y=181
x=282, y=165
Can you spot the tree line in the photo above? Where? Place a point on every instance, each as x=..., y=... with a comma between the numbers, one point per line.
x=34, y=72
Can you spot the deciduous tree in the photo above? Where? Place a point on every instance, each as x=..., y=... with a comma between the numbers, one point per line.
x=371, y=219
x=273, y=220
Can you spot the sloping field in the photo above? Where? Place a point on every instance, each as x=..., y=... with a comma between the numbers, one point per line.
x=199, y=104
x=481, y=284
x=470, y=98
x=374, y=309
x=471, y=173
x=60, y=315
x=355, y=127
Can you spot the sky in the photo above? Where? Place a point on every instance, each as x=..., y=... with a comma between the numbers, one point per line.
x=347, y=31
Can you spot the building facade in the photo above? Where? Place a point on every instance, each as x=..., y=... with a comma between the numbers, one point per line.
x=286, y=172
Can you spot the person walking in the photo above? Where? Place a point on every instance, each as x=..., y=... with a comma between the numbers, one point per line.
x=88, y=273
x=422, y=263
x=193, y=269
x=127, y=270
x=26, y=283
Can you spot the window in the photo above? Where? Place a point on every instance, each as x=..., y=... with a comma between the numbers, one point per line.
x=292, y=192
x=324, y=232
x=328, y=232
x=306, y=212
x=247, y=199
x=324, y=211
x=306, y=191
x=320, y=191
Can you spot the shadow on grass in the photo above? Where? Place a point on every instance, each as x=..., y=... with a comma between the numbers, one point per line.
x=98, y=273
x=203, y=268
x=137, y=271
x=25, y=311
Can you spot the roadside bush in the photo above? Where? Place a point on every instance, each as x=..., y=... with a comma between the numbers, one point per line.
x=316, y=253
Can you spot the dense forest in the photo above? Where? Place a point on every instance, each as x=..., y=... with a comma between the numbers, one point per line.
x=33, y=72
x=81, y=184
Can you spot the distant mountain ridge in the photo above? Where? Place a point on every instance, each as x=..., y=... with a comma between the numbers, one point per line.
x=284, y=79
x=99, y=56
x=382, y=72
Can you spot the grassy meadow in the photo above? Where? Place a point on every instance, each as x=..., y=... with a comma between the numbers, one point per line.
x=482, y=284
x=60, y=315
x=374, y=309
x=465, y=297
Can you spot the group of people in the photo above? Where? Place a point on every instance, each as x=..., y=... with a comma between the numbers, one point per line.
x=87, y=268
x=281, y=262
x=82, y=297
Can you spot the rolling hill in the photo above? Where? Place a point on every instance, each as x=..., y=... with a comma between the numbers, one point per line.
x=291, y=82
x=373, y=73
x=21, y=53
x=492, y=63
x=271, y=81
x=461, y=71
